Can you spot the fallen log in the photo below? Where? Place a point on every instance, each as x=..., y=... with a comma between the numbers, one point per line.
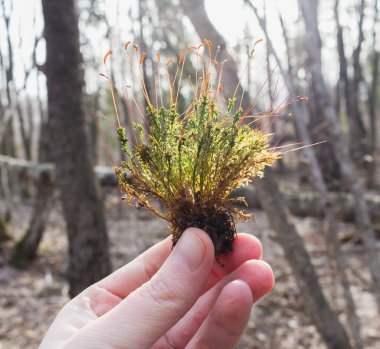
x=299, y=203
x=308, y=204
x=28, y=170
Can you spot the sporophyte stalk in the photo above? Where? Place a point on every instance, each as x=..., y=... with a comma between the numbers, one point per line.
x=191, y=161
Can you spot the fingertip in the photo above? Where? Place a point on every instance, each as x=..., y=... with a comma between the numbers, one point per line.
x=269, y=275
x=194, y=252
x=227, y=319
x=259, y=275
x=238, y=292
x=249, y=245
x=234, y=303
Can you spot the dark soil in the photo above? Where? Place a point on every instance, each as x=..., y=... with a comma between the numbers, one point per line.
x=217, y=223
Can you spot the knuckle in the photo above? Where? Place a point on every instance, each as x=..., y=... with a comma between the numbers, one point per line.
x=164, y=292
x=198, y=318
x=170, y=343
x=150, y=268
x=166, y=342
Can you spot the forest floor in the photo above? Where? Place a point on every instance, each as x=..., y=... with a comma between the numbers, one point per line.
x=31, y=298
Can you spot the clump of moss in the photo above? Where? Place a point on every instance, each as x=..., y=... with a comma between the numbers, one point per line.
x=191, y=163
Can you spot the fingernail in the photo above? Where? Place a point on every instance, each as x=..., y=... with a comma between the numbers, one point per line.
x=190, y=249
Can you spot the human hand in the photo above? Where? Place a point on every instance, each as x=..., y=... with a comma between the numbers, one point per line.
x=168, y=299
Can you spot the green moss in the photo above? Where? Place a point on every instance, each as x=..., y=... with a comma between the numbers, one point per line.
x=192, y=164
x=192, y=161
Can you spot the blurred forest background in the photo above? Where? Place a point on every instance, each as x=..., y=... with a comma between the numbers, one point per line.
x=62, y=223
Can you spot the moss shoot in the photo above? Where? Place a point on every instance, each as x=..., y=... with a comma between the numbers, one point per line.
x=191, y=163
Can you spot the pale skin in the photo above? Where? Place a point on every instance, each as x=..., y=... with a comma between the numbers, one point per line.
x=168, y=299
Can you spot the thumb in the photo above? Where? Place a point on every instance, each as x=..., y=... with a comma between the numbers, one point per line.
x=148, y=312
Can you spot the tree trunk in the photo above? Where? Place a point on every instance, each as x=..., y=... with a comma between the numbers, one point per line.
x=324, y=318
x=7, y=139
x=197, y=14
x=358, y=128
x=26, y=248
x=24, y=135
x=286, y=235
x=89, y=258
x=340, y=146
x=148, y=79
x=12, y=94
x=317, y=180
x=7, y=143
x=349, y=88
x=373, y=92
x=317, y=128
x=4, y=233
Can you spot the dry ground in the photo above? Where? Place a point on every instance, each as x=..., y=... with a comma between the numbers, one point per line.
x=30, y=299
